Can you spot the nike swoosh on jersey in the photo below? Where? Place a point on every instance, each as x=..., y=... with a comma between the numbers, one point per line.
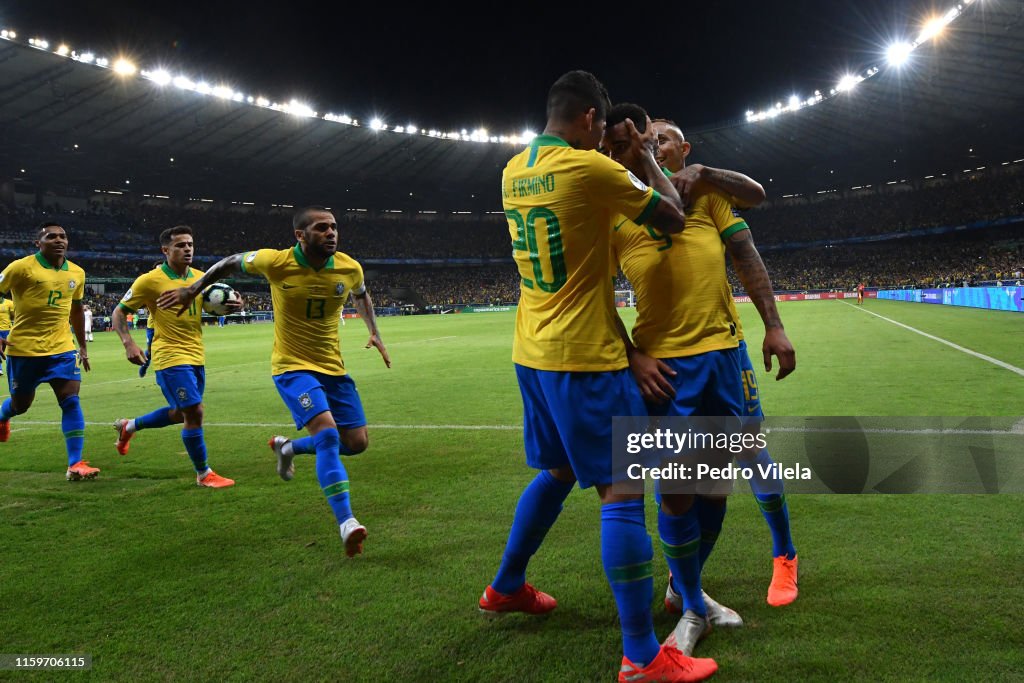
x=616, y=228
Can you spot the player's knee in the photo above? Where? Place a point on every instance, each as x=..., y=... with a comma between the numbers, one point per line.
x=676, y=504
x=193, y=414
x=356, y=441
x=564, y=475
x=20, y=403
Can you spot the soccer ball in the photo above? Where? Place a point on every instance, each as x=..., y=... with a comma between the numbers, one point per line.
x=216, y=298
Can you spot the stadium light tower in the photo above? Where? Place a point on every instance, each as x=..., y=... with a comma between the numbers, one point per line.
x=897, y=54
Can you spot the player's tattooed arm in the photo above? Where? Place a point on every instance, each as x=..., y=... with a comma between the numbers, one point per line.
x=119, y=322
x=754, y=276
x=364, y=306
x=181, y=297
x=748, y=191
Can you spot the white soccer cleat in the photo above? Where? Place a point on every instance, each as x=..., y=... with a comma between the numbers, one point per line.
x=285, y=463
x=721, y=616
x=688, y=632
x=352, y=535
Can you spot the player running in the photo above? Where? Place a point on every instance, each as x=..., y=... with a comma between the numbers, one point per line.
x=178, y=354
x=47, y=291
x=559, y=197
x=87, y=314
x=310, y=283
x=860, y=294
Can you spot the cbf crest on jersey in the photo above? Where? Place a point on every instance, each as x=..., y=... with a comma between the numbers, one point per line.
x=339, y=289
x=71, y=284
x=182, y=394
x=305, y=401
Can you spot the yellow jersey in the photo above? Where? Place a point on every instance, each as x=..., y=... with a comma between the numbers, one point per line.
x=307, y=303
x=684, y=302
x=559, y=203
x=6, y=314
x=42, y=305
x=178, y=339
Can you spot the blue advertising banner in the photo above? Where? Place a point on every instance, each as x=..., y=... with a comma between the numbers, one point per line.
x=992, y=298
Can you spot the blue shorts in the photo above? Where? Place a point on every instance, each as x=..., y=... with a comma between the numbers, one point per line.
x=707, y=385
x=308, y=393
x=567, y=419
x=183, y=385
x=25, y=373
x=4, y=333
x=752, y=401
x=150, y=331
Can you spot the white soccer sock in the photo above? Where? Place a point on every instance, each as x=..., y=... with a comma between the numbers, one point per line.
x=130, y=427
x=286, y=449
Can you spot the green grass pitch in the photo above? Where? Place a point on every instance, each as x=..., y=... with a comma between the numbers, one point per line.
x=160, y=580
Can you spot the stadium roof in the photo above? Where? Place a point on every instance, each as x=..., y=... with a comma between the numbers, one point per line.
x=955, y=106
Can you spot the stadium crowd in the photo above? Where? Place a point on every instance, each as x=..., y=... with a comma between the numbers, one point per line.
x=990, y=254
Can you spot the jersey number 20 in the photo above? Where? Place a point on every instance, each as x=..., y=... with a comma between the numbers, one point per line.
x=526, y=240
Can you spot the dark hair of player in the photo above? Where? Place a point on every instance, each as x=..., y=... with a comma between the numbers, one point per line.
x=301, y=218
x=168, y=235
x=575, y=93
x=44, y=226
x=627, y=110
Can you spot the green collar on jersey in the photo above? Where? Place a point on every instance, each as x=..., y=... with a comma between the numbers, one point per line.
x=548, y=141
x=301, y=258
x=46, y=264
x=169, y=272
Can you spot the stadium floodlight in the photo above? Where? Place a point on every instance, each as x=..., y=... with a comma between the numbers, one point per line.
x=63, y=50
x=223, y=92
x=184, y=83
x=898, y=53
x=250, y=99
x=262, y=102
x=936, y=25
x=86, y=57
x=528, y=136
x=376, y=124
x=848, y=82
x=8, y=34
x=123, y=67
x=399, y=129
x=297, y=108
x=794, y=102
x=102, y=61
x=203, y=88
x=161, y=77
x=411, y=129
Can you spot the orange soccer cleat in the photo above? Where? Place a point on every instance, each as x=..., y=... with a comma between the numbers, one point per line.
x=782, y=590
x=670, y=666
x=527, y=599
x=212, y=480
x=81, y=470
x=123, y=436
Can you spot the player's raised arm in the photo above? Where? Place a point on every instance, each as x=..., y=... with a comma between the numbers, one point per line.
x=744, y=189
x=182, y=297
x=668, y=214
x=364, y=305
x=754, y=276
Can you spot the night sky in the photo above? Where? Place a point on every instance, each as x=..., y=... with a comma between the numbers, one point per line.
x=697, y=63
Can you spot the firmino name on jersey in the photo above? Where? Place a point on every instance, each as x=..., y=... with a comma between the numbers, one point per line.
x=529, y=187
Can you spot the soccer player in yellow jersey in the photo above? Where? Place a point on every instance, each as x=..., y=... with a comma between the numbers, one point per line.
x=310, y=283
x=178, y=354
x=560, y=196
x=47, y=290
x=686, y=319
x=6, y=320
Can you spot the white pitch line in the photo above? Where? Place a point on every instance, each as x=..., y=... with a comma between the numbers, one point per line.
x=507, y=428
x=292, y=424
x=969, y=352
x=420, y=341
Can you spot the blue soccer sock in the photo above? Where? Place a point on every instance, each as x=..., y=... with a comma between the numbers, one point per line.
x=7, y=411
x=710, y=514
x=306, y=444
x=195, y=447
x=331, y=473
x=538, y=508
x=72, y=422
x=772, y=501
x=161, y=417
x=680, y=542
x=626, y=553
